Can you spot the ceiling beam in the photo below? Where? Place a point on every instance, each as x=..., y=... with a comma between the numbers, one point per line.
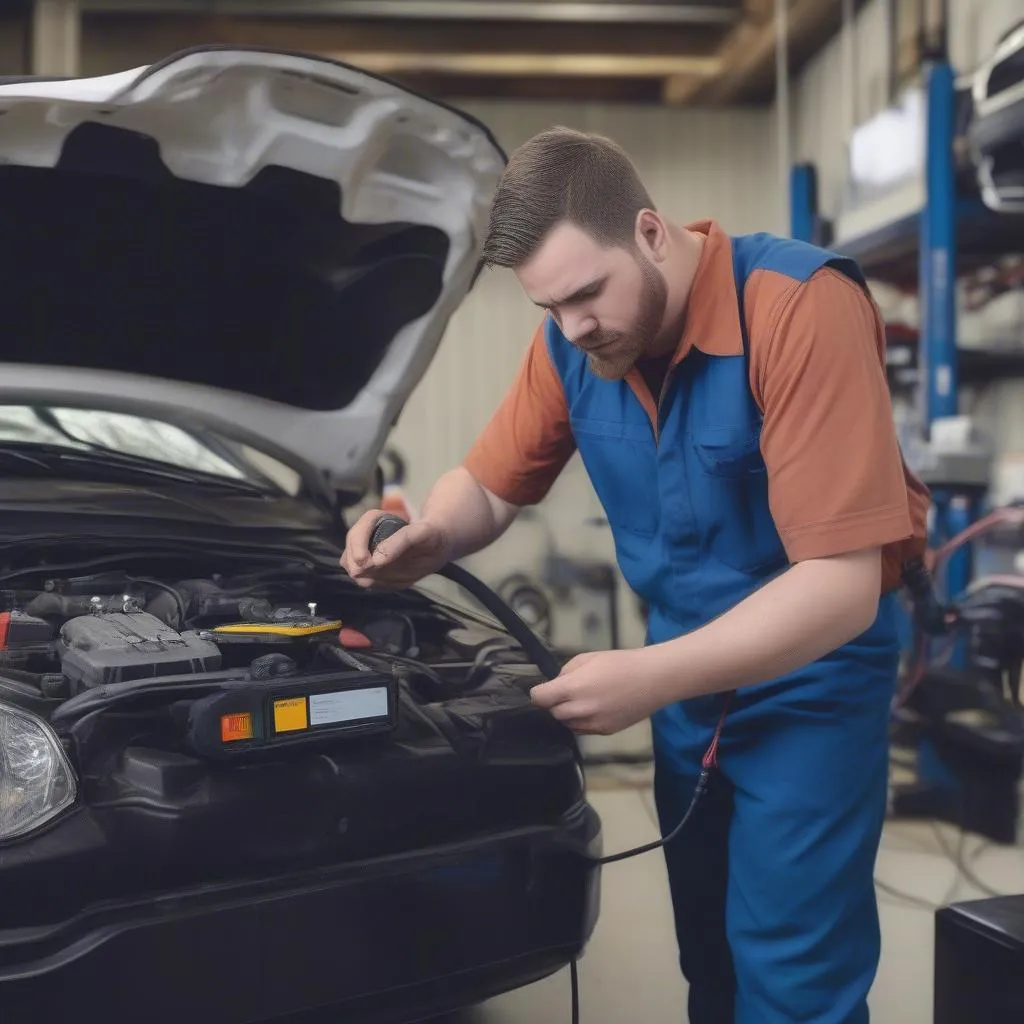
x=679, y=90
x=535, y=89
x=309, y=35
x=580, y=12
x=748, y=53
x=580, y=65
x=674, y=64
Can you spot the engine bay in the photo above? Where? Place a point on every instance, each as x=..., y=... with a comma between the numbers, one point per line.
x=221, y=724
x=224, y=665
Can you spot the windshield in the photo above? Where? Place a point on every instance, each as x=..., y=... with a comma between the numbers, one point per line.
x=163, y=443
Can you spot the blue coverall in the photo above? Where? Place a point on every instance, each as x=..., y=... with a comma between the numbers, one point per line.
x=772, y=881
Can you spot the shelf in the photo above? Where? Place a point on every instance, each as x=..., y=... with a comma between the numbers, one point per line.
x=974, y=366
x=891, y=251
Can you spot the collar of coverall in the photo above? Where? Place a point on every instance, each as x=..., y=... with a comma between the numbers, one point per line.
x=712, y=315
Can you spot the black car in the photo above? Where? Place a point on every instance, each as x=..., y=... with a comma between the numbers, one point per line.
x=235, y=787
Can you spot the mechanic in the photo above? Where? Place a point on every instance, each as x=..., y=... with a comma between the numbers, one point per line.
x=728, y=398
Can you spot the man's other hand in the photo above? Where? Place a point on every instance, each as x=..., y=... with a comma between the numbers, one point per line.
x=601, y=692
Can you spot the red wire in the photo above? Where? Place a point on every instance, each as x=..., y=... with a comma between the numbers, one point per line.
x=711, y=755
x=917, y=671
x=999, y=516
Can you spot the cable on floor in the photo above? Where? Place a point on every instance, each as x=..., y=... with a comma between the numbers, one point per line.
x=709, y=764
x=906, y=897
x=959, y=862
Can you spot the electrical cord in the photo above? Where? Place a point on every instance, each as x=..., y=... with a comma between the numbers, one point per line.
x=388, y=524
x=931, y=617
x=935, y=619
x=906, y=897
x=958, y=858
x=958, y=861
x=574, y=981
x=167, y=589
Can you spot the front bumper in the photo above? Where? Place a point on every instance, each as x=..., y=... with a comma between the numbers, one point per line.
x=390, y=939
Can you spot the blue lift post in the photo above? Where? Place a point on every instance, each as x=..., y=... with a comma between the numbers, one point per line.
x=803, y=202
x=937, y=284
x=952, y=512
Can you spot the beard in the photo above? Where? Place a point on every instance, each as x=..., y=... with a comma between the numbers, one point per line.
x=626, y=347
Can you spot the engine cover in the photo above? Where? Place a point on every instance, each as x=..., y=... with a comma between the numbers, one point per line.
x=119, y=647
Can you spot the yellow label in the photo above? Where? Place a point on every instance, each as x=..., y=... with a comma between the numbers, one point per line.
x=290, y=715
x=276, y=629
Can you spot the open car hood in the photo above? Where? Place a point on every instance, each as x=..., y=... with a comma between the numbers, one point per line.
x=263, y=244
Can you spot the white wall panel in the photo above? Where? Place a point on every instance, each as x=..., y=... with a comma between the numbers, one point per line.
x=13, y=45
x=823, y=107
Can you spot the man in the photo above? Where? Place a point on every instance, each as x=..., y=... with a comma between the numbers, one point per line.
x=729, y=401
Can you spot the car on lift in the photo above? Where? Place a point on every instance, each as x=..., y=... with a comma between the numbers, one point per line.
x=996, y=132
x=234, y=786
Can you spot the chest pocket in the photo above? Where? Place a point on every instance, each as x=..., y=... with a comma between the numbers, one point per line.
x=730, y=497
x=621, y=460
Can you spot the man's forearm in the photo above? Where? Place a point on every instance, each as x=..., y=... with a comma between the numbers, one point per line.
x=470, y=515
x=809, y=611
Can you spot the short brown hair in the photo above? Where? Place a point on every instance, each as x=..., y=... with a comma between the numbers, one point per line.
x=563, y=175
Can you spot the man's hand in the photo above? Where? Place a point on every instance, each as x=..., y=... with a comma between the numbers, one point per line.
x=601, y=692
x=405, y=558
x=795, y=619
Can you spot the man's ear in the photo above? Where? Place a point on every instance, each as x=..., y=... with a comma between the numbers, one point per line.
x=651, y=235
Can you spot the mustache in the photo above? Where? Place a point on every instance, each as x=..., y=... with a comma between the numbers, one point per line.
x=596, y=340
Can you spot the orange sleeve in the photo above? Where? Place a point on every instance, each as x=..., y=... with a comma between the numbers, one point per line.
x=837, y=480
x=528, y=440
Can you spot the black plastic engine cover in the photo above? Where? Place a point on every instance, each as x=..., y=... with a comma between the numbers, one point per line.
x=120, y=647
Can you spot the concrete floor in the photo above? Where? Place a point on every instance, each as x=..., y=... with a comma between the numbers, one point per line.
x=629, y=971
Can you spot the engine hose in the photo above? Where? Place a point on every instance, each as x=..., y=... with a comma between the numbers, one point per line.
x=545, y=659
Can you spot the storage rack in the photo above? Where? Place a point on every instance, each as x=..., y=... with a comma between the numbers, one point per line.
x=942, y=236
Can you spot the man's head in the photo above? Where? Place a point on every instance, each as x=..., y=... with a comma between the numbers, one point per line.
x=573, y=220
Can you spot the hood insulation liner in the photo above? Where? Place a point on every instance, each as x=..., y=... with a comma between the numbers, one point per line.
x=263, y=289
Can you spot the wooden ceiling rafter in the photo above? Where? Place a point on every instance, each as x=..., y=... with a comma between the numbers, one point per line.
x=674, y=64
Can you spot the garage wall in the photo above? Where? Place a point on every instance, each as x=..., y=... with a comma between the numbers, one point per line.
x=13, y=44
x=821, y=116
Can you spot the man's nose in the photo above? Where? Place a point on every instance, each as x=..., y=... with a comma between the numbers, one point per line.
x=576, y=326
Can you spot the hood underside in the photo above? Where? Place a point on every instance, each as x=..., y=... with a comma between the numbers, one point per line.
x=263, y=244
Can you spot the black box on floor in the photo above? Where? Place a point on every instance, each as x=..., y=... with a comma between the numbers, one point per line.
x=979, y=962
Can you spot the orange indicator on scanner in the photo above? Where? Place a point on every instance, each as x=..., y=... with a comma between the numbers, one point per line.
x=236, y=727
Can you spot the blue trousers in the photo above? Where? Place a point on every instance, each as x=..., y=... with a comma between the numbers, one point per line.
x=772, y=880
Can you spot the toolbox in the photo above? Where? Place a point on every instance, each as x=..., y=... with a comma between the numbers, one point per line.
x=979, y=962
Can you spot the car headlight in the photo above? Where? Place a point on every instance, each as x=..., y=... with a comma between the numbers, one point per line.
x=36, y=780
